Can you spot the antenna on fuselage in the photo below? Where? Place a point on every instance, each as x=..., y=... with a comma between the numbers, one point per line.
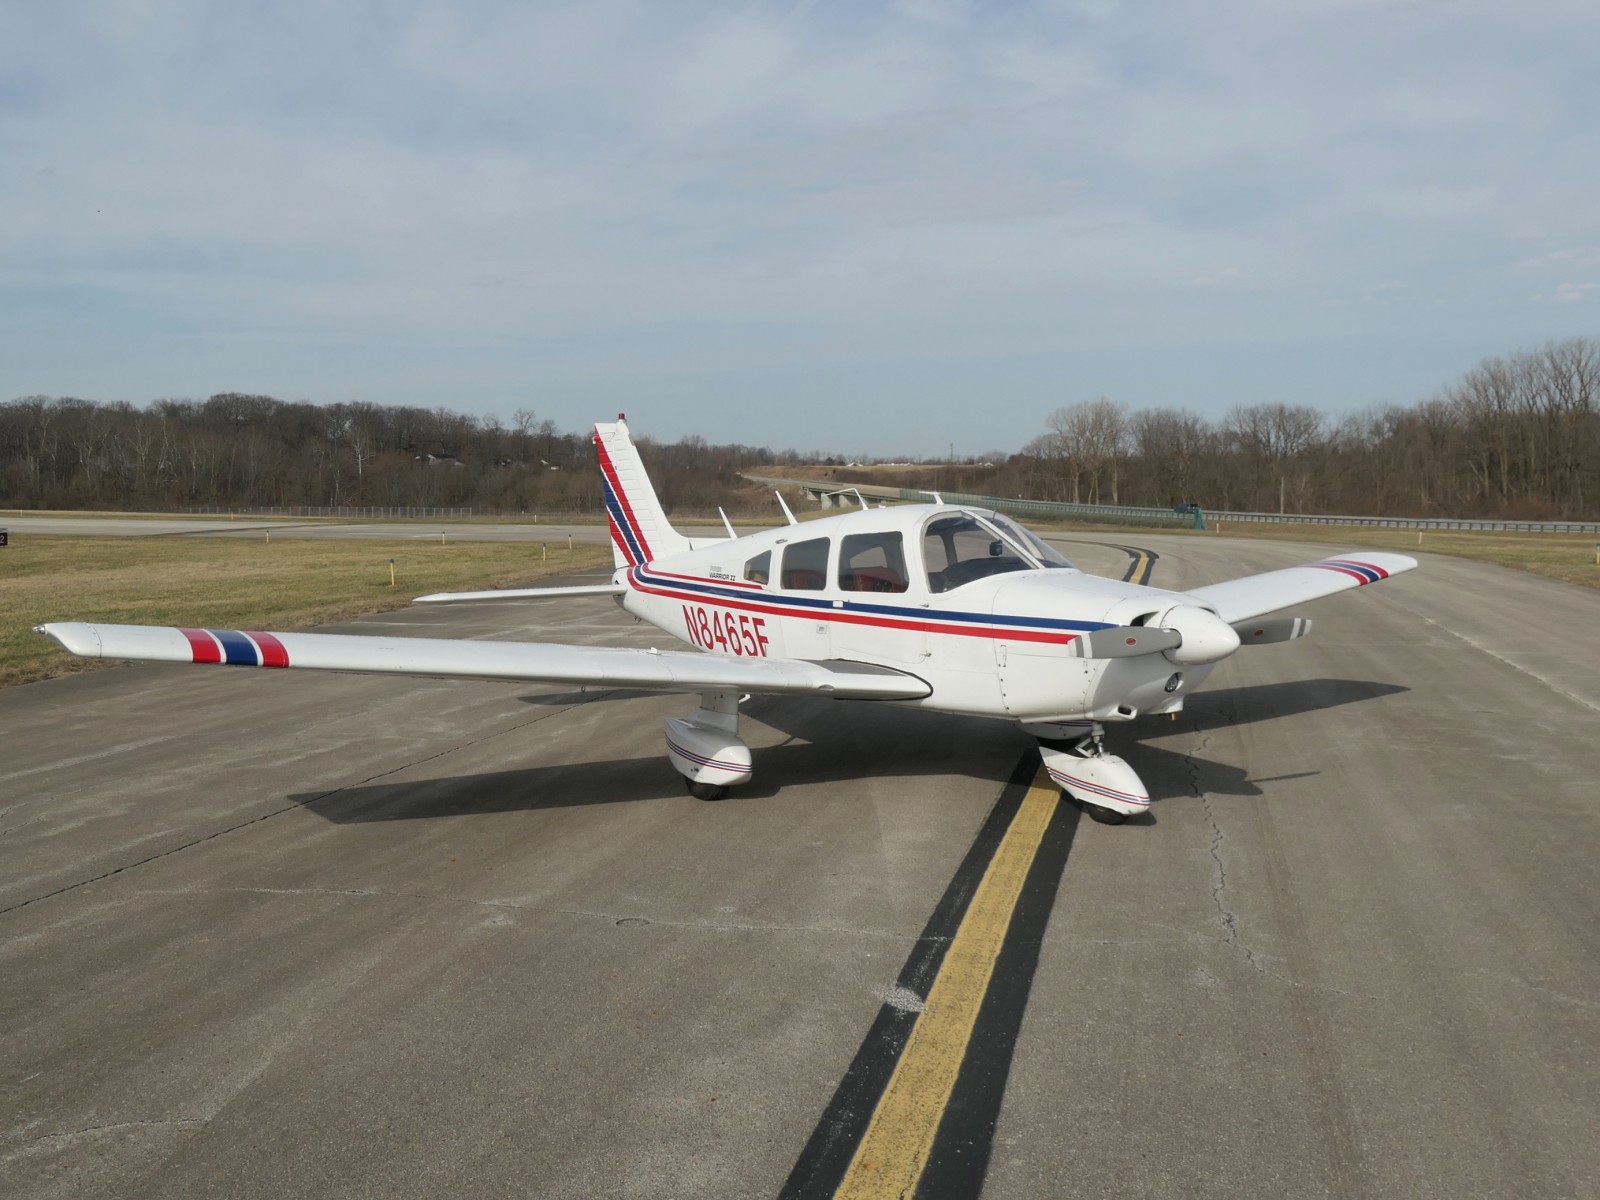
x=784, y=505
x=937, y=499
x=727, y=524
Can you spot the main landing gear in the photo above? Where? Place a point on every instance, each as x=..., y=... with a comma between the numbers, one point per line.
x=1104, y=786
x=705, y=749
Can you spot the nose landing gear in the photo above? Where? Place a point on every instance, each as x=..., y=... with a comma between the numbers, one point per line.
x=1105, y=786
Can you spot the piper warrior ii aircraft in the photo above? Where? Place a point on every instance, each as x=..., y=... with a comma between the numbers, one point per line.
x=936, y=606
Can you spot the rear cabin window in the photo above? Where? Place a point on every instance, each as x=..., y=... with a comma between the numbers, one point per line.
x=873, y=562
x=805, y=565
x=958, y=549
x=759, y=568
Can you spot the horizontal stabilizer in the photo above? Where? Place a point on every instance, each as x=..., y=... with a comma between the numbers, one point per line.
x=598, y=589
x=544, y=662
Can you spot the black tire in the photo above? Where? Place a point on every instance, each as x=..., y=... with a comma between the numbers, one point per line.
x=1105, y=816
x=704, y=791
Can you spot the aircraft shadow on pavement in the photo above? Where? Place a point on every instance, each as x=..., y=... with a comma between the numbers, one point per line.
x=1223, y=707
x=830, y=742
x=826, y=742
x=1173, y=774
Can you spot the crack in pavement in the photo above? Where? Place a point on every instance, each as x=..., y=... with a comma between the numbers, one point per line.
x=467, y=901
x=33, y=1145
x=1229, y=919
x=752, y=926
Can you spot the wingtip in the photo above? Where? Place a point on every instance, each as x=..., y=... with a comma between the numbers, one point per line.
x=75, y=637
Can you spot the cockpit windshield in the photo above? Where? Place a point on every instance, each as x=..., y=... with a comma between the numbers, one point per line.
x=958, y=548
x=1047, y=554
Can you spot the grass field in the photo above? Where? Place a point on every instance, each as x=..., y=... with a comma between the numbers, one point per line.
x=1565, y=556
x=235, y=583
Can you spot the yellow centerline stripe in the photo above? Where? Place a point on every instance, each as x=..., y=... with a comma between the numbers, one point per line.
x=894, y=1150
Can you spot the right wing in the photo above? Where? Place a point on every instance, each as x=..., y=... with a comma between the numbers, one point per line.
x=1242, y=599
x=544, y=662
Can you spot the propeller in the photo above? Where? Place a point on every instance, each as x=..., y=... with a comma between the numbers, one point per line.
x=1126, y=641
x=1278, y=629
x=1185, y=633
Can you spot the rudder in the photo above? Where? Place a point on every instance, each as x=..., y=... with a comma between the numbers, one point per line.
x=640, y=531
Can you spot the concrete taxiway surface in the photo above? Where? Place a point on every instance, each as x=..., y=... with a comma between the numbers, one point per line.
x=270, y=933
x=290, y=527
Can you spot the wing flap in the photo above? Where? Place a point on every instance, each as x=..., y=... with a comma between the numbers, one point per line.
x=544, y=662
x=1254, y=595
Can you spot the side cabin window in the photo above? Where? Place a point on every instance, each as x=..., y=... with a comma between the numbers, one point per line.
x=959, y=549
x=873, y=562
x=759, y=568
x=805, y=565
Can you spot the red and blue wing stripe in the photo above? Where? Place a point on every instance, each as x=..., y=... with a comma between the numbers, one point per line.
x=1362, y=573
x=236, y=648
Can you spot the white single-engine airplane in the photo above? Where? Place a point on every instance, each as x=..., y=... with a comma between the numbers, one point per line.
x=937, y=606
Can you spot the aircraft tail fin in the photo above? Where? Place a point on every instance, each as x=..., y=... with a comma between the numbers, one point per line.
x=640, y=531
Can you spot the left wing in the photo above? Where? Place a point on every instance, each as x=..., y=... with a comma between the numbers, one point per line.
x=545, y=662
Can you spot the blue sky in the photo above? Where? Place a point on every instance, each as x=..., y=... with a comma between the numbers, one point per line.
x=871, y=228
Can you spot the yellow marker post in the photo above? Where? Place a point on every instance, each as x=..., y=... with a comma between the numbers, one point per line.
x=391, y=573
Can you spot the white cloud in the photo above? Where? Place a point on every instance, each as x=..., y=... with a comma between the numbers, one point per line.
x=1574, y=256
x=935, y=183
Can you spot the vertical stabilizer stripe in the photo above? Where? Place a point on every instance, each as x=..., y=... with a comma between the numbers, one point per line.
x=609, y=470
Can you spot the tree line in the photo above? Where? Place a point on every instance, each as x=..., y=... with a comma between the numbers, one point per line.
x=245, y=451
x=1517, y=437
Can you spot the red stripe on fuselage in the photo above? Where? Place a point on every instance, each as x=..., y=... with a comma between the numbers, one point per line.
x=610, y=473
x=272, y=652
x=839, y=616
x=203, y=645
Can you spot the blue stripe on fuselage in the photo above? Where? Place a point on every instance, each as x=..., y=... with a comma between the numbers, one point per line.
x=711, y=591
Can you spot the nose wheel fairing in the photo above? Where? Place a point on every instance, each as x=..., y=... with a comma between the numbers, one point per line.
x=1109, y=790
